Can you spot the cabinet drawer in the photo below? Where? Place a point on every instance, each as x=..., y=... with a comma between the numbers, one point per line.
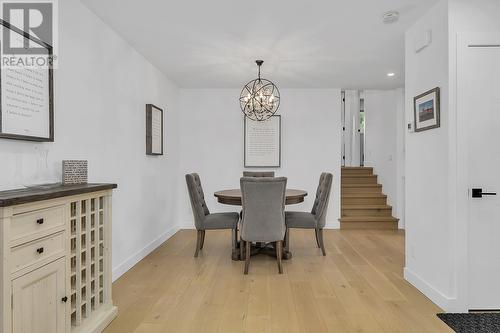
x=29, y=226
x=31, y=253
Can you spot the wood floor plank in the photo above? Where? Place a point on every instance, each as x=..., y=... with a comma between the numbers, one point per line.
x=357, y=287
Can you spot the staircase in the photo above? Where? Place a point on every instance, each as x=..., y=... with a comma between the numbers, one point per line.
x=364, y=206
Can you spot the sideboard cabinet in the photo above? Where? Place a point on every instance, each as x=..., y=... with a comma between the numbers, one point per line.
x=55, y=245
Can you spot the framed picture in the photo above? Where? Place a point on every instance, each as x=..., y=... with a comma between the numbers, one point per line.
x=27, y=94
x=427, y=110
x=154, y=130
x=262, y=142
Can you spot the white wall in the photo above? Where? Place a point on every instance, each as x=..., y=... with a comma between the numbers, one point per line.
x=102, y=86
x=351, y=134
x=435, y=224
x=384, y=121
x=428, y=245
x=211, y=144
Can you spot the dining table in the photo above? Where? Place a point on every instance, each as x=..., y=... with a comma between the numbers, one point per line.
x=233, y=197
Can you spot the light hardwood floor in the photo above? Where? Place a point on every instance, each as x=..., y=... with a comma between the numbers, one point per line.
x=357, y=287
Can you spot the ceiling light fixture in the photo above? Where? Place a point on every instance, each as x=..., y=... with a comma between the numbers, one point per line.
x=390, y=17
x=259, y=98
x=390, y=74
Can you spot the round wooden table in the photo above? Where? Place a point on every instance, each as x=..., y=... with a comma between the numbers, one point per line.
x=233, y=197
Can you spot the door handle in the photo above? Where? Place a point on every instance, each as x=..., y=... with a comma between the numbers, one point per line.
x=478, y=193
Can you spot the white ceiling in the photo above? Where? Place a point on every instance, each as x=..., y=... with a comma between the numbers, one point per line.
x=305, y=44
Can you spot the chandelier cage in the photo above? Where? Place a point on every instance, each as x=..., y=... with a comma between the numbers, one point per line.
x=259, y=98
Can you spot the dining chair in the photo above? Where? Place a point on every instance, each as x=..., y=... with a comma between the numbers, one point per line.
x=316, y=219
x=204, y=220
x=258, y=173
x=263, y=218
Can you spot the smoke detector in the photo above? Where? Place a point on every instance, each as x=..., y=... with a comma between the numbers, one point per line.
x=390, y=17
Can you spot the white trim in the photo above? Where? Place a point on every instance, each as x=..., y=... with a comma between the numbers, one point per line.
x=131, y=261
x=332, y=225
x=446, y=303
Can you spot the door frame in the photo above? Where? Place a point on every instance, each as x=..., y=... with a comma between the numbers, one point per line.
x=460, y=153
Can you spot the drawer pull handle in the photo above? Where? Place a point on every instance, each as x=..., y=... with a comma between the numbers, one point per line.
x=39, y=221
x=64, y=299
x=39, y=250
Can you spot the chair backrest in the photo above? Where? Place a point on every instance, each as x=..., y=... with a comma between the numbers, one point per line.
x=320, y=205
x=198, y=204
x=258, y=173
x=263, y=218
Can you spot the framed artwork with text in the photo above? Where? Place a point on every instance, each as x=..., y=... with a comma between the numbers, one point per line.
x=27, y=93
x=262, y=140
x=154, y=130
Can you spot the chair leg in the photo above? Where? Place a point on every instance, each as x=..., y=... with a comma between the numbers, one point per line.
x=247, y=254
x=202, y=239
x=198, y=242
x=279, y=252
x=242, y=249
x=316, y=231
x=287, y=240
x=234, y=244
x=321, y=242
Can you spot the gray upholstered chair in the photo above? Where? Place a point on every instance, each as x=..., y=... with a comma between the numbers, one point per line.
x=203, y=220
x=316, y=219
x=258, y=173
x=263, y=218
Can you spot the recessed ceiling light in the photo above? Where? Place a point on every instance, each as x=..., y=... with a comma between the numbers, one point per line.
x=390, y=17
x=390, y=74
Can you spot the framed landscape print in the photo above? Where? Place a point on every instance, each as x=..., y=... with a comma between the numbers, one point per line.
x=427, y=110
x=154, y=130
x=263, y=143
x=27, y=94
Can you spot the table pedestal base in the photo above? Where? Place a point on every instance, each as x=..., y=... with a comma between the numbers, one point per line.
x=259, y=248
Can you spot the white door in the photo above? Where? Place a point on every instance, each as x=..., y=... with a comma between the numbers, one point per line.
x=479, y=95
x=37, y=300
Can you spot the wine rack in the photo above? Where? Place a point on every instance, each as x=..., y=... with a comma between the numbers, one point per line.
x=88, y=260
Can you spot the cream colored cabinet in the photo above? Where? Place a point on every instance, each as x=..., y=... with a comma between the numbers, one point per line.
x=55, y=246
x=39, y=300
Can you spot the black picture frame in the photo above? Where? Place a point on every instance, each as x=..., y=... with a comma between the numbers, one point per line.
x=436, y=109
x=245, y=164
x=50, y=138
x=149, y=129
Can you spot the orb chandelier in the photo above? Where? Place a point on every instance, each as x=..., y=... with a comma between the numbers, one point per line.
x=260, y=98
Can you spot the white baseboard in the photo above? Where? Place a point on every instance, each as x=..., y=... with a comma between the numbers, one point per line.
x=446, y=303
x=131, y=261
x=332, y=225
x=186, y=225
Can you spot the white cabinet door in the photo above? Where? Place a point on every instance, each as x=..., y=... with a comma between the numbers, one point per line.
x=38, y=304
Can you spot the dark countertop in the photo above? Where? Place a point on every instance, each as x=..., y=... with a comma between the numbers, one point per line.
x=49, y=191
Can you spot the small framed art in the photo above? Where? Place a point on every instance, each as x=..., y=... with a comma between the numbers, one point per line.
x=427, y=110
x=154, y=130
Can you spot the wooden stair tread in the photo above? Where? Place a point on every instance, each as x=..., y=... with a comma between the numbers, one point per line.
x=361, y=185
x=355, y=219
x=364, y=195
x=366, y=207
x=357, y=168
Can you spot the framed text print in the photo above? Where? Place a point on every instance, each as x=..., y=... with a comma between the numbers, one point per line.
x=427, y=110
x=27, y=91
x=154, y=130
x=263, y=143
